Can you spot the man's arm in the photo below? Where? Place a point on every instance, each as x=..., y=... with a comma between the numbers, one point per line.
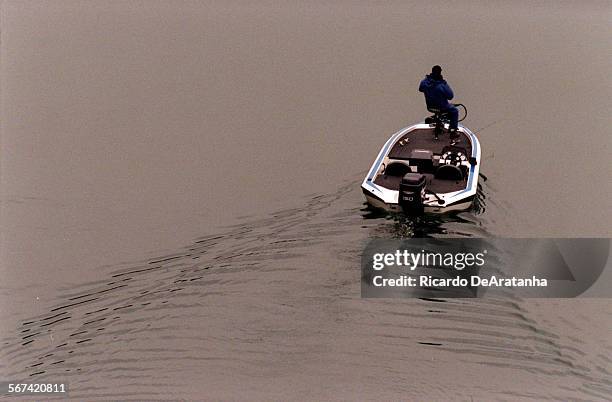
x=422, y=86
x=448, y=91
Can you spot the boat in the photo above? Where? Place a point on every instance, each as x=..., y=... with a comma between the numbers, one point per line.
x=420, y=170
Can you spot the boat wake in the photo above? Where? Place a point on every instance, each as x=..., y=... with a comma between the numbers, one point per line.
x=272, y=306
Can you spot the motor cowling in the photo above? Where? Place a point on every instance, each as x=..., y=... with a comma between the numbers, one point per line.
x=412, y=192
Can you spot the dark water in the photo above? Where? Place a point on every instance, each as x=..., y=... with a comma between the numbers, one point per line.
x=129, y=129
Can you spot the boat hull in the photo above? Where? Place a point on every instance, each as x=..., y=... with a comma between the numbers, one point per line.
x=430, y=209
x=380, y=189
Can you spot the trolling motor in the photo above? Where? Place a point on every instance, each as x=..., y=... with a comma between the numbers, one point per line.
x=440, y=119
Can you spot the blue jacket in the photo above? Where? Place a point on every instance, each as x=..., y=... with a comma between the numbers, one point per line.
x=437, y=93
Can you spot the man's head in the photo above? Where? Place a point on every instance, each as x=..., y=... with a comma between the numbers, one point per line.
x=436, y=72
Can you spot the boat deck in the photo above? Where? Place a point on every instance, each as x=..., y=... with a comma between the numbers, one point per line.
x=423, y=139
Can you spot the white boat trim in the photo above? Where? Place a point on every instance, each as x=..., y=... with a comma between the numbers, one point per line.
x=388, y=199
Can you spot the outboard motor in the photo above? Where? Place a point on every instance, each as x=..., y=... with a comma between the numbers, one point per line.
x=411, y=192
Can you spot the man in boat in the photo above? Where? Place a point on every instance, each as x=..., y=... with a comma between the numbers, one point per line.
x=437, y=95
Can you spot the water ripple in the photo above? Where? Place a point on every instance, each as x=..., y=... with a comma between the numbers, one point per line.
x=274, y=303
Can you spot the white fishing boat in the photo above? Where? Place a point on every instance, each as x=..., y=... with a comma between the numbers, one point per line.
x=419, y=169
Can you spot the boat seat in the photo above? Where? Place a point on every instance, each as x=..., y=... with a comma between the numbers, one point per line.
x=436, y=111
x=439, y=116
x=396, y=169
x=449, y=172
